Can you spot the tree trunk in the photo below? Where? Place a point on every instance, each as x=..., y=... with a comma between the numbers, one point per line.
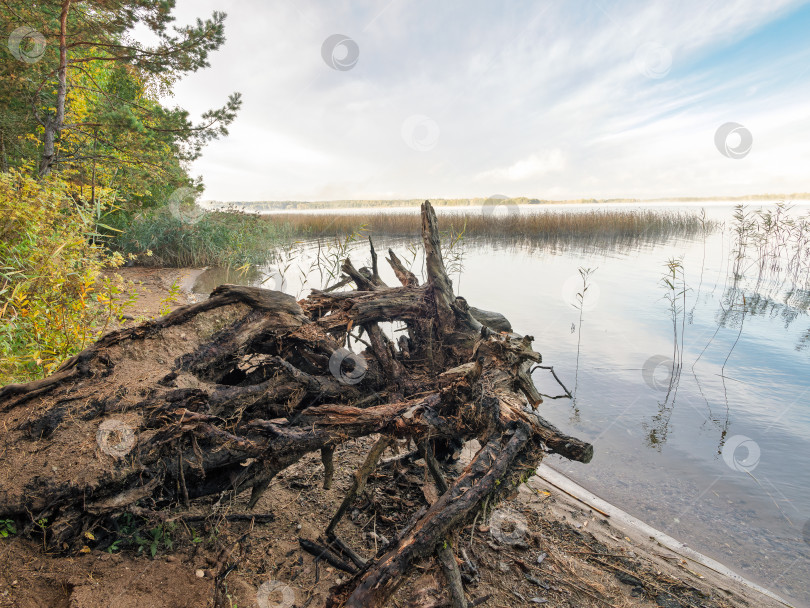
x=220, y=396
x=53, y=124
x=3, y=157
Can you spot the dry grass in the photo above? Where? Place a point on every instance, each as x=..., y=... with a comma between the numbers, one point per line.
x=508, y=222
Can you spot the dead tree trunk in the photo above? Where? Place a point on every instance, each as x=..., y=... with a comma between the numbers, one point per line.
x=160, y=414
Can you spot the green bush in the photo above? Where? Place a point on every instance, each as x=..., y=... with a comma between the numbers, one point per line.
x=221, y=239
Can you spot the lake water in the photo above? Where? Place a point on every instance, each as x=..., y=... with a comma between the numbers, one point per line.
x=699, y=414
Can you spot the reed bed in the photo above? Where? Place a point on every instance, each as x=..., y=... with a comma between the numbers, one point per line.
x=773, y=243
x=509, y=223
x=235, y=238
x=222, y=239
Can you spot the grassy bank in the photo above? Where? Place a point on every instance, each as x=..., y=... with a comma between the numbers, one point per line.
x=222, y=239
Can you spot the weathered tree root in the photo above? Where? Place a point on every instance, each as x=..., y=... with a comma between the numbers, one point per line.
x=219, y=397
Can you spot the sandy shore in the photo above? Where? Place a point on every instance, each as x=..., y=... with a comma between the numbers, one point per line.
x=553, y=544
x=666, y=554
x=153, y=286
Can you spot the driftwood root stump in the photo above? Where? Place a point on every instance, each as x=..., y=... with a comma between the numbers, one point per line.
x=218, y=397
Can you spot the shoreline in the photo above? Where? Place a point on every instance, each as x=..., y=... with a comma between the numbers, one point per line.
x=548, y=476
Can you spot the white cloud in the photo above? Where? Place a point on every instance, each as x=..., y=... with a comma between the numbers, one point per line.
x=536, y=100
x=534, y=166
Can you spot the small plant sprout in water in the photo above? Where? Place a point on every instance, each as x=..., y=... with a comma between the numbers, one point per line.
x=585, y=273
x=674, y=283
x=283, y=257
x=453, y=250
x=581, y=304
x=742, y=228
x=332, y=253
x=775, y=243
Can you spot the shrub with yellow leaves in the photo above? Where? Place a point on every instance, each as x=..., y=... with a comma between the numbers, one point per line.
x=54, y=300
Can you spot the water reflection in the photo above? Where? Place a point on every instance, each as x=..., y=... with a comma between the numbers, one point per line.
x=214, y=277
x=765, y=264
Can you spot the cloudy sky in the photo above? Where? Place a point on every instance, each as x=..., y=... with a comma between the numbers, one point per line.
x=547, y=99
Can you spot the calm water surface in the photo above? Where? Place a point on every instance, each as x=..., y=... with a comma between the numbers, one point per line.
x=700, y=417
